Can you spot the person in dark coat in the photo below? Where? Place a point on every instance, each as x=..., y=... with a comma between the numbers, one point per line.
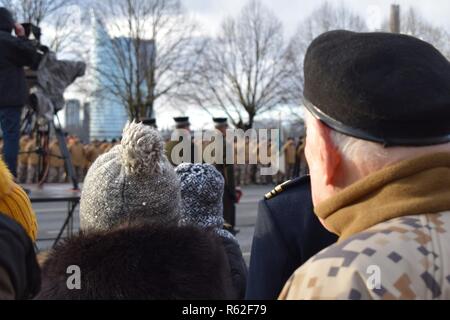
x=15, y=54
x=20, y=276
x=202, y=187
x=287, y=234
x=230, y=197
x=145, y=262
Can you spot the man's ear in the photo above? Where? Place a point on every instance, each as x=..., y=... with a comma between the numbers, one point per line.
x=330, y=154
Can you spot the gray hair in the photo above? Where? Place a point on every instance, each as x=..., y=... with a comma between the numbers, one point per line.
x=359, y=150
x=375, y=154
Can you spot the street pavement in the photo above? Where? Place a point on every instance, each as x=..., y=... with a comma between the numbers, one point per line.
x=246, y=214
x=51, y=217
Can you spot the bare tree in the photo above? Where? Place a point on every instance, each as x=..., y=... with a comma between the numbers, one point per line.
x=34, y=11
x=325, y=18
x=412, y=23
x=66, y=32
x=151, y=51
x=243, y=68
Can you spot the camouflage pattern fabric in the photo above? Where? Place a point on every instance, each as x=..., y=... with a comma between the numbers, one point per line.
x=403, y=258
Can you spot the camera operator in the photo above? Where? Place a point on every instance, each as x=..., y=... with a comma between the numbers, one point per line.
x=15, y=54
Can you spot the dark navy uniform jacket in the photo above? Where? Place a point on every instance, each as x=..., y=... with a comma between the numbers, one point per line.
x=287, y=234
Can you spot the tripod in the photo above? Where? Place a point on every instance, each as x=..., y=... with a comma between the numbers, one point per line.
x=46, y=96
x=41, y=128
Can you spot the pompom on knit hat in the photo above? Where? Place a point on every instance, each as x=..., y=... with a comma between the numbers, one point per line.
x=133, y=182
x=202, y=188
x=15, y=203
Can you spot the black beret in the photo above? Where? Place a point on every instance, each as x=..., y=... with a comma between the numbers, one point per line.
x=149, y=122
x=182, y=120
x=388, y=88
x=220, y=121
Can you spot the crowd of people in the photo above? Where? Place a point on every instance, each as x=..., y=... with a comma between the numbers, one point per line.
x=370, y=221
x=152, y=230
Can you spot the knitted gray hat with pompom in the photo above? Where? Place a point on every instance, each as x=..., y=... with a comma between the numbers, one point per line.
x=202, y=188
x=132, y=182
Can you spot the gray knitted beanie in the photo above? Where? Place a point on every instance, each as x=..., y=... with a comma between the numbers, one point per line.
x=202, y=188
x=133, y=181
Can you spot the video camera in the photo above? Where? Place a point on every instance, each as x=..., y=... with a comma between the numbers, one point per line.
x=48, y=83
x=32, y=32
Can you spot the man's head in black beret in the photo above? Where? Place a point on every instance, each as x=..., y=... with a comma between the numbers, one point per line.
x=380, y=87
x=373, y=99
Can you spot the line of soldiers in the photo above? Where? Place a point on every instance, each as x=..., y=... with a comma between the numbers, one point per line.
x=294, y=163
x=82, y=156
x=235, y=174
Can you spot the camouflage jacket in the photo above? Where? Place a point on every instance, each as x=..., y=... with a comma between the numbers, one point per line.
x=403, y=258
x=394, y=228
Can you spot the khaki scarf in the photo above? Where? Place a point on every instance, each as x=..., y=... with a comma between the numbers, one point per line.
x=411, y=187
